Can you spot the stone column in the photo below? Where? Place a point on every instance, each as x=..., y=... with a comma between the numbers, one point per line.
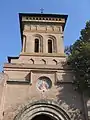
x=32, y=44
x=24, y=44
x=45, y=45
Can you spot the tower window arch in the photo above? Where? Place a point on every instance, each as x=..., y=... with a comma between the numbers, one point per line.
x=36, y=45
x=49, y=46
x=52, y=47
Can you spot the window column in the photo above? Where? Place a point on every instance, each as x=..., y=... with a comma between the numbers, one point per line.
x=24, y=44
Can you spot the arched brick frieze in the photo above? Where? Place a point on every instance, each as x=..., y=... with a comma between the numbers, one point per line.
x=55, y=62
x=31, y=61
x=43, y=61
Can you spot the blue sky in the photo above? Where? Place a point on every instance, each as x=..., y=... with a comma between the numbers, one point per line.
x=78, y=12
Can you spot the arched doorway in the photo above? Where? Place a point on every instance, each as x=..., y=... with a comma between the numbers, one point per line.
x=42, y=117
x=42, y=109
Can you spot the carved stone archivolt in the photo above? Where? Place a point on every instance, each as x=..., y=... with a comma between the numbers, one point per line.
x=55, y=110
x=45, y=107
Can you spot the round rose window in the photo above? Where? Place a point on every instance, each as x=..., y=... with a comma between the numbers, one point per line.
x=44, y=83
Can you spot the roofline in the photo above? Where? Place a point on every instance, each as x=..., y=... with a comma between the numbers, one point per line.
x=43, y=15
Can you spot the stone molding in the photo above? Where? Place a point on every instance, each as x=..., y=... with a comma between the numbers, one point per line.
x=63, y=55
x=42, y=28
x=35, y=66
x=43, y=19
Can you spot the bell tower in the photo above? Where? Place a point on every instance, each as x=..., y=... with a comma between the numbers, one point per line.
x=42, y=34
x=39, y=82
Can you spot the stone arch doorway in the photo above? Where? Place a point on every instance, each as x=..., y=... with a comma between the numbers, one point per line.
x=37, y=110
x=42, y=117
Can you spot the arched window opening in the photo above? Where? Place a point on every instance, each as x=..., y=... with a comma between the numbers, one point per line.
x=52, y=44
x=36, y=45
x=49, y=46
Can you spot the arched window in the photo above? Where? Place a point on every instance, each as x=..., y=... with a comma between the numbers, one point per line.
x=38, y=43
x=52, y=47
x=49, y=46
x=36, y=48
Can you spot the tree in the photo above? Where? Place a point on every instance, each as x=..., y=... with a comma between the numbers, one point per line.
x=79, y=59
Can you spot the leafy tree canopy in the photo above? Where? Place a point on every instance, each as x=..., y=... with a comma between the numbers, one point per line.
x=79, y=59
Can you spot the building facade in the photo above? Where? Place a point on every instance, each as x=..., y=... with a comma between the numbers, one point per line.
x=38, y=84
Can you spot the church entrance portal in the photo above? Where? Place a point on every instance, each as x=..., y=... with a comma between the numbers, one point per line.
x=42, y=110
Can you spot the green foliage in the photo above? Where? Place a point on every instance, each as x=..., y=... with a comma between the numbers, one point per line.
x=79, y=59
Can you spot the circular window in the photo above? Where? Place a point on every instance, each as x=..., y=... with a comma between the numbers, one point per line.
x=44, y=83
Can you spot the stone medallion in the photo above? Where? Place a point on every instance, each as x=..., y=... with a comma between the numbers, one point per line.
x=43, y=83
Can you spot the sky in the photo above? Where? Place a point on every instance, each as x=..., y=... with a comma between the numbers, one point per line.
x=78, y=12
